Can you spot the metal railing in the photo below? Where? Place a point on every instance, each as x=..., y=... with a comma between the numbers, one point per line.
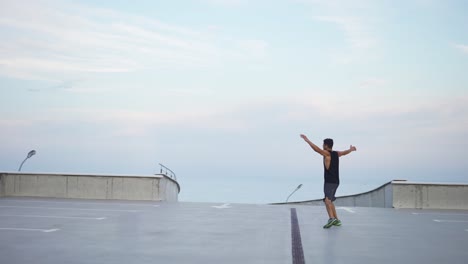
x=166, y=171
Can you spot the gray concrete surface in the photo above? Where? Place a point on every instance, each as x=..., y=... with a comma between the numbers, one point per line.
x=89, y=186
x=404, y=194
x=95, y=231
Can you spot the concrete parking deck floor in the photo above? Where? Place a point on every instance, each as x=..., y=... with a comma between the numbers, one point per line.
x=90, y=231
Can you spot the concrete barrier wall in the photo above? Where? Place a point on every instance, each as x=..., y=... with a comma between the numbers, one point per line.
x=123, y=187
x=168, y=189
x=379, y=197
x=2, y=185
x=403, y=194
x=430, y=195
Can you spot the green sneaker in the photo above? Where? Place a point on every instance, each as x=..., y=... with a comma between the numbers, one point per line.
x=330, y=222
x=337, y=222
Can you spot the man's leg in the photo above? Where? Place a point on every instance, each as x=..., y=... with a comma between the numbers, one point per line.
x=329, y=190
x=333, y=210
x=330, y=209
x=329, y=206
x=337, y=222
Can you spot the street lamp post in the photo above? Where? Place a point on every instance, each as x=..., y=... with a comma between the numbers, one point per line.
x=30, y=154
x=298, y=187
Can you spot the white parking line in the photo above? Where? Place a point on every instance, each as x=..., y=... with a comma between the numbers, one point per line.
x=61, y=208
x=224, y=206
x=87, y=203
x=53, y=216
x=347, y=209
x=29, y=229
x=449, y=221
x=438, y=214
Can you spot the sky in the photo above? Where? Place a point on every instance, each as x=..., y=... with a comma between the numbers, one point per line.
x=220, y=90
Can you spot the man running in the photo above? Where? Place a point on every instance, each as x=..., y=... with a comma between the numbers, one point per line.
x=331, y=175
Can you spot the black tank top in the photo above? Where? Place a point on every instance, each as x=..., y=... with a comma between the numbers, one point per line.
x=332, y=175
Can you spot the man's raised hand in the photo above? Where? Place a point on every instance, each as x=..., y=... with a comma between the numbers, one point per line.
x=352, y=148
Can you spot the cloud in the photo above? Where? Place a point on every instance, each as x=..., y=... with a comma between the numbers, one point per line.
x=227, y=3
x=354, y=20
x=357, y=33
x=357, y=28
x=422, y=115
x=462, y=48
x=372, y=83
x=417, y=132
x=45, y=39
x=143, y=122
x=254, y=47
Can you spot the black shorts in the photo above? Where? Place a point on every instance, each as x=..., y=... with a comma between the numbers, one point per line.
x=329, y=189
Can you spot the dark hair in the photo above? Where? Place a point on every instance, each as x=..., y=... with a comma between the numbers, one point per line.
x=328, y=142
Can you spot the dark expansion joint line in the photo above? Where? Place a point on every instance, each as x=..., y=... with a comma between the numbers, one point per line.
x=297, y=252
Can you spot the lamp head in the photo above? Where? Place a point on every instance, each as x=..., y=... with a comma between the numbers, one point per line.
x=31, y=153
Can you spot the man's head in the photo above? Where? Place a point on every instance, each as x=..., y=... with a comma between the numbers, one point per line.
x=328, y=144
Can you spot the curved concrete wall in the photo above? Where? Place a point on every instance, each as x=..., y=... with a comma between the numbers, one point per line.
x=430, y=195
x=403, y=194
x=123, y=187
x=379, y=197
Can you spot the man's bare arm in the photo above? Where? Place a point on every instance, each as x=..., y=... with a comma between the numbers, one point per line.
x=346, y=152
x=315, y=147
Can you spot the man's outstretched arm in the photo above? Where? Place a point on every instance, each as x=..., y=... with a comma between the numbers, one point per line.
x=315, y=147
x=346, y=152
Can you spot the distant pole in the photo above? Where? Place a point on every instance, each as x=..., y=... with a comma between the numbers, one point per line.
x=30, y=154
x=298, y=187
